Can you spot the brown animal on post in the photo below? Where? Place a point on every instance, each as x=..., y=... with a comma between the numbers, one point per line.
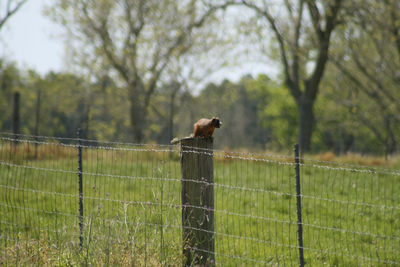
x=206, y=127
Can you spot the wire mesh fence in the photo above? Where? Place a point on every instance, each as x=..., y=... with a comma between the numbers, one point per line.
x=132, y=207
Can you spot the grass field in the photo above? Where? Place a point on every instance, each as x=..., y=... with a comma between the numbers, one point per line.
x=132, y=209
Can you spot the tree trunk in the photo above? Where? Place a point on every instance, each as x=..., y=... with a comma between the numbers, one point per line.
x=171, y=117
x=175, y=86
x=138, y=109
x=138, y=115
x=390, y=137
x=306, y=122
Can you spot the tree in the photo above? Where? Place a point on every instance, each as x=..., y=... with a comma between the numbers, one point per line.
x=237, y=105
x=369, y=65
x=276, y=112
x=10, y=82
x=10, y=9
x=303, y=41
x=63, y=107
x=135, y=39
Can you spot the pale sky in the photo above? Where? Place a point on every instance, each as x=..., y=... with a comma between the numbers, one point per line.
x=30, y=39
x=33, y=41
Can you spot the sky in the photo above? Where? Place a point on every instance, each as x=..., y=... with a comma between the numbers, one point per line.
x=33, y=41
x=30, y=39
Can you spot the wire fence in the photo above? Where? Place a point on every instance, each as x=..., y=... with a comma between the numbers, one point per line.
x=132, y=208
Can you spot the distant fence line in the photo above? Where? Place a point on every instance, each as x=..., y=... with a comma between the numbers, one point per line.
x=132, y=209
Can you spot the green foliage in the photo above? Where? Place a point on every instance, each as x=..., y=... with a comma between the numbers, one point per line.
x=123, y=90
x=67, y=102
x=134, y=217
x=364, y=76
x=277, y=111
x=10, y=82
x=257, y=113
x=238, y=109
x=140, y=44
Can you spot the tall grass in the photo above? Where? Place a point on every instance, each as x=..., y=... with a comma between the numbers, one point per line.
x=132, y=209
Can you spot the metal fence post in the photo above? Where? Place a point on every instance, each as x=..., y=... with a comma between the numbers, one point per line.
x=37, y=120
x=197, y=201
x=80, y=189
x=16, y=118
x=298, y=204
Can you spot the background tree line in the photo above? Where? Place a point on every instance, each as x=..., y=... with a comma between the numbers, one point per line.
x=140, y=71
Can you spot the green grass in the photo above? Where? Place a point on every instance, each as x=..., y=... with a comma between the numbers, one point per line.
x=132, y=213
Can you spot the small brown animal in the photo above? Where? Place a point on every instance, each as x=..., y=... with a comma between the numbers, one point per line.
x=206, y=127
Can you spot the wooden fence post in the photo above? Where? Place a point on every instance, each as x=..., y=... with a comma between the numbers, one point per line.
x=197, y=201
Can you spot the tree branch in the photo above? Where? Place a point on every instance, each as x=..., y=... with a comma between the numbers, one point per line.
x=371, y=77
x=374, y=128
x=395, y=23
x=107, y=43
x=315, y=17
x=289, y=9
x=372, y=94
x=295, y=90
x=312, y=83
x=174, y=46
x=133, y=33
x=295, y=46
x=11, y=11
x=331, y=16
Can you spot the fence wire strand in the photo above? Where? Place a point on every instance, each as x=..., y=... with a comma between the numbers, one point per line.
x=132, y=206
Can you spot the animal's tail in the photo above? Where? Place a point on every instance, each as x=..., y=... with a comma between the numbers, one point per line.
x=177, y=140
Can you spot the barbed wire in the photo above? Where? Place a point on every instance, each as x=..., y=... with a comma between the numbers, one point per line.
x=81, y=139
x=205, y=183
x=89, y=147
x=147, y=203
x=369, y=171
x=273, y=155
x=133, y=144
x=202, y=151
x=220, y=153
x=26, y=194
x=350, y=166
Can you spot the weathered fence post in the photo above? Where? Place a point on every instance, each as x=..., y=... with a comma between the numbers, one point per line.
x=80, y=169
x=197, y=201
x=298, y=204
